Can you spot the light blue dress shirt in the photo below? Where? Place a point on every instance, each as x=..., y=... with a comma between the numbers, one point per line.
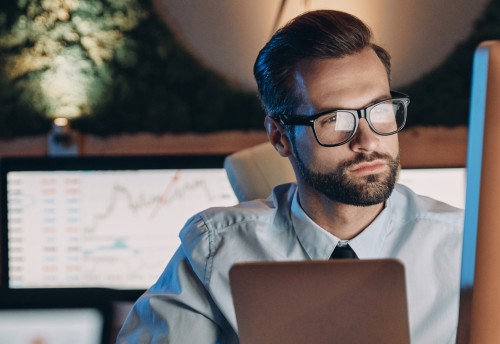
x=191, y=301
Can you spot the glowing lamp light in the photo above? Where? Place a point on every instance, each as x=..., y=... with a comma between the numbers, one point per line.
x=61, y=122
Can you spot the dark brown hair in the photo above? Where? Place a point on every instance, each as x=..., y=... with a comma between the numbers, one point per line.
x=312, y=35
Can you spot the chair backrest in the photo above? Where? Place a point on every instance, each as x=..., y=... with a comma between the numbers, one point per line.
x=254, y=171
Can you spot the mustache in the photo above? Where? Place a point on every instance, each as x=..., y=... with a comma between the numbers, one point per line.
x=363, y=157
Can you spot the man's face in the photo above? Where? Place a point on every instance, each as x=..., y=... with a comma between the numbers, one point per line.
x=363, y=171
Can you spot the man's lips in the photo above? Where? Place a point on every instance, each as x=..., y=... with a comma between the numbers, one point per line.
x=369, y=167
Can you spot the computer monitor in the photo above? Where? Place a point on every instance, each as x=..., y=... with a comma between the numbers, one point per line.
x=445, y=184
x=55, y=316
x=107, y=222
x=481, y=254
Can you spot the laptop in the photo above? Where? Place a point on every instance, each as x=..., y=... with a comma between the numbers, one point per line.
x=54, y=316
x=348, y=301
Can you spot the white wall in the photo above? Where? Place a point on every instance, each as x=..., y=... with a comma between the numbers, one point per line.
x=227, y=34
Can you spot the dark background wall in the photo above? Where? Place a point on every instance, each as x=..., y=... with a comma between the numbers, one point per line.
x=132, y=66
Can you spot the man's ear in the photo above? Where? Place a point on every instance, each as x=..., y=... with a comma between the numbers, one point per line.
x=278, y=136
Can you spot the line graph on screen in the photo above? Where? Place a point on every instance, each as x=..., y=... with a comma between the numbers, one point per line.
x=104, y=228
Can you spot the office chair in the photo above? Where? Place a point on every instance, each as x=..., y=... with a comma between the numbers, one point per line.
x=254, y=171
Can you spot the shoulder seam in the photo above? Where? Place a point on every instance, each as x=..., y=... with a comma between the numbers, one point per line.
x=209, y=262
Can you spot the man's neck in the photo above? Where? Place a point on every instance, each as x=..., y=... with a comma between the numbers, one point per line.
x=342, y=220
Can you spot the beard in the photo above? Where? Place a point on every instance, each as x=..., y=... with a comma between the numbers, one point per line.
x=362, y=191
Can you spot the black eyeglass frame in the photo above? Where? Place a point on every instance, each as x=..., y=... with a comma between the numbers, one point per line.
x=357, y=113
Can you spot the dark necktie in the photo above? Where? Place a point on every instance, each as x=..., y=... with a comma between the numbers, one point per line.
x=343, y=252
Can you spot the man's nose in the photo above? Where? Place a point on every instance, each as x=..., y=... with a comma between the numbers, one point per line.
x=365, y=140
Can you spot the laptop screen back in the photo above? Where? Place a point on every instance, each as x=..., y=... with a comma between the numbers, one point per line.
x=349, y=301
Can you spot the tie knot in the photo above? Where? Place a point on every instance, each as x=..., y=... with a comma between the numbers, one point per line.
x=343, y=252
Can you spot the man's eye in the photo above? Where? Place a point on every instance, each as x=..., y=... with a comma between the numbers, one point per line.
x=330, y=118
x=382, y=114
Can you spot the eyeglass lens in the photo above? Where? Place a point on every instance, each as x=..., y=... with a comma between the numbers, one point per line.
x=384, y=118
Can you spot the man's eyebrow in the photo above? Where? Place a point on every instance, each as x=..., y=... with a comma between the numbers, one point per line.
x=371, y=102
x=378, y=99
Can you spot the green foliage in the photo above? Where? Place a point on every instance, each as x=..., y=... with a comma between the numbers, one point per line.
x=110, y=66
x=442, y=96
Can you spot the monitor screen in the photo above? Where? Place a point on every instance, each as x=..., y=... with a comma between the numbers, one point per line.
x=102, y=222
x=55, y=326
x=444, y=184
x=55, y=316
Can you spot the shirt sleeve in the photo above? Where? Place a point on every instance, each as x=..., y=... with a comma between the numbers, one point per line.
x=176, y=309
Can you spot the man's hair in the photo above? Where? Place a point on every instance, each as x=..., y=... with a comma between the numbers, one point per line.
x=313, y=35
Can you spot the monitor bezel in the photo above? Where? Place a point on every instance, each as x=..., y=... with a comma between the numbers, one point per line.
x=90, y=163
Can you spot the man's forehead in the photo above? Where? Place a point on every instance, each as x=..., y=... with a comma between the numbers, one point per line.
x=361, y=75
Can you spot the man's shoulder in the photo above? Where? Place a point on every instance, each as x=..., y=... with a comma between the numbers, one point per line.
x=221, y=218
x=259, y=212
x=408, y=206
x=237, y=233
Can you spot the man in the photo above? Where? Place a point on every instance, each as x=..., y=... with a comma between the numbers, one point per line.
x=346, y=163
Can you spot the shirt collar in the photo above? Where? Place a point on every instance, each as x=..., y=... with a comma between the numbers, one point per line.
x=319, y=243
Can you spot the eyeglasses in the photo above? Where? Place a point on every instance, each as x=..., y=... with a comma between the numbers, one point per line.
x=337, y=127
